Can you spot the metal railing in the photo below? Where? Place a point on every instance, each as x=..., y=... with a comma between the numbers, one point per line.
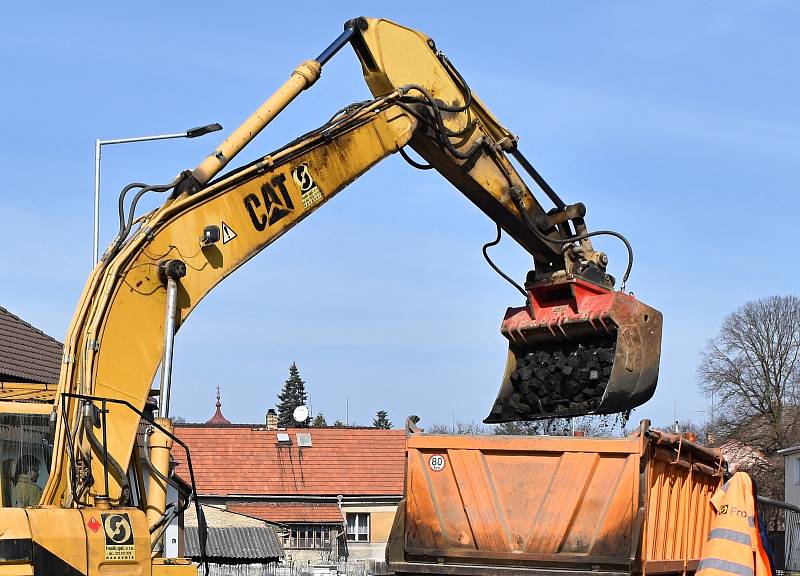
x=352, y=568
x=782, y=521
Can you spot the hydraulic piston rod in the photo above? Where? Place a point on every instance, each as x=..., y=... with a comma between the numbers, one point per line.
x=172, y=270
x=303, y=77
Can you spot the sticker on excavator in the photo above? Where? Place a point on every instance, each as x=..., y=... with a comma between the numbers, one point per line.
x=309, y=191
x=119, y=537
x=227, y=233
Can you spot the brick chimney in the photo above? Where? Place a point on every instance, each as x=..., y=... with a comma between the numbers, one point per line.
x=272, y=419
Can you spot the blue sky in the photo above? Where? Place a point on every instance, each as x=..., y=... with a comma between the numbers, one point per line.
x=675, y=123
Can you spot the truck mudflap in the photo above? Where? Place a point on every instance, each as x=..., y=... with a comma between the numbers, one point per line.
x=577, y=348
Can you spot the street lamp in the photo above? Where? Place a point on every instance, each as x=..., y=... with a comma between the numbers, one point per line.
x=98, y=145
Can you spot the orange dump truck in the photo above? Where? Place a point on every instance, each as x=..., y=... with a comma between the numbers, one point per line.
x=493, y=505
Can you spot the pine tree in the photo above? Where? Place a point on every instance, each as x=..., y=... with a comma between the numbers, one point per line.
x=319, y=421
x=382, y=420
x=292, y=395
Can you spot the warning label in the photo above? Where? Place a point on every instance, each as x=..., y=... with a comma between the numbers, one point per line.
x=119, y=537
x=227, y=233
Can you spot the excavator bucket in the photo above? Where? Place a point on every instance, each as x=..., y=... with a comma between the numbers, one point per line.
x=577, y=348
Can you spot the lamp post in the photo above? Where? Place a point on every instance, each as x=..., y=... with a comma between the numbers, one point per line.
x=98, y=146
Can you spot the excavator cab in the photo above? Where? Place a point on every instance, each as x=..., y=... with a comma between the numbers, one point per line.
x=577, y=348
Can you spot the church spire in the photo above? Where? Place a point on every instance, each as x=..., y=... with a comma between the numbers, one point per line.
x=218, y=418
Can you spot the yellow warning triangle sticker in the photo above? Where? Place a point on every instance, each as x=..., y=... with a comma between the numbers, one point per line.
x=227, y=233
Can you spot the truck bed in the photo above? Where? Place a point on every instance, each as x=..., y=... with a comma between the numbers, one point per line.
x=500, y=504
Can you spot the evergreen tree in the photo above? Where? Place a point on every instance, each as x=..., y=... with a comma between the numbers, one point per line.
x=382, y=420
x=292, y=395
x=319, y=421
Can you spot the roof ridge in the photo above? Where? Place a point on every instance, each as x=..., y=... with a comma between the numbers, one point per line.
x=31, y=326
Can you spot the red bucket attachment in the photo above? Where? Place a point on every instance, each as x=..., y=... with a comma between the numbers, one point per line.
x=578, y=349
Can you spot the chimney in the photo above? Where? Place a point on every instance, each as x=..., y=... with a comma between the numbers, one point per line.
x=272, y=419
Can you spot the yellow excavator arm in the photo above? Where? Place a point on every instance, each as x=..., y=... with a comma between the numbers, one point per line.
x=162, y=264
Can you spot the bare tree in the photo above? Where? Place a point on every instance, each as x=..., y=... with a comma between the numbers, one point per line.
x=751, y=370
x=469, y=428
x=594, y=426
x=700, y=430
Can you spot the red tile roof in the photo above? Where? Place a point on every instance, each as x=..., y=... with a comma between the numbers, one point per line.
x=26, y=353
x=289, y=511
x=247, y=460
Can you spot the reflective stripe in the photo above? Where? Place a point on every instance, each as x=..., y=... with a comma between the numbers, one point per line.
x=751, y=522
x=725, y=486
x=725, y=566
x=732, y=535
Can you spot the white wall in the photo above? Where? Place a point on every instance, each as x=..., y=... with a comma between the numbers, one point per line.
x=171, y=539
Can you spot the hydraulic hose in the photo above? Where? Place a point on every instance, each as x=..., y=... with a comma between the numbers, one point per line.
x=515, y=195
x=98, y=449
x=505, y=276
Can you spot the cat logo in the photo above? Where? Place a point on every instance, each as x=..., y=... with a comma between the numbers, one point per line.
x=119, y=537
x=275, y=203
x=309, y=191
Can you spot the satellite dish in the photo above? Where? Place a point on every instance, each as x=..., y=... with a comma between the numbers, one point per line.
x=300, y=414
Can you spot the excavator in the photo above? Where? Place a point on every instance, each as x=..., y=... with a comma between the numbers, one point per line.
x=577, y=345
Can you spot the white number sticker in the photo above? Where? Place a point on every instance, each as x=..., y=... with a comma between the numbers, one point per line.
x=436, y=462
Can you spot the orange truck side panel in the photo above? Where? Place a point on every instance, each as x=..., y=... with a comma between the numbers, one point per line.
x=555, y=503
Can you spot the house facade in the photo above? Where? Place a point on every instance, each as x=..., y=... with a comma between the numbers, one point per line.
x=334, y=490
x=791, y=466
x=791, y=494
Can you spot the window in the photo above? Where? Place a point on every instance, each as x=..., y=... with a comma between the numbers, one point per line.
x=26, y=445
x=797, y=471
x=358, y=527
x=309, y=536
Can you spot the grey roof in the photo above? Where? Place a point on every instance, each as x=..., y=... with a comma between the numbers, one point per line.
x=790, y=450
x=26, y=353
x=232, y=536
x=236, y=543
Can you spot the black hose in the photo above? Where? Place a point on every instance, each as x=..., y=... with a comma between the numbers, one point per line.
x=413, y=162
x=429, y=102
x=440, y=123
x=506, y=277
x=350, y=108
x=119, y=473
x=121, y=207
x=464, y=86
x=515, y=195
x=124, y=232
